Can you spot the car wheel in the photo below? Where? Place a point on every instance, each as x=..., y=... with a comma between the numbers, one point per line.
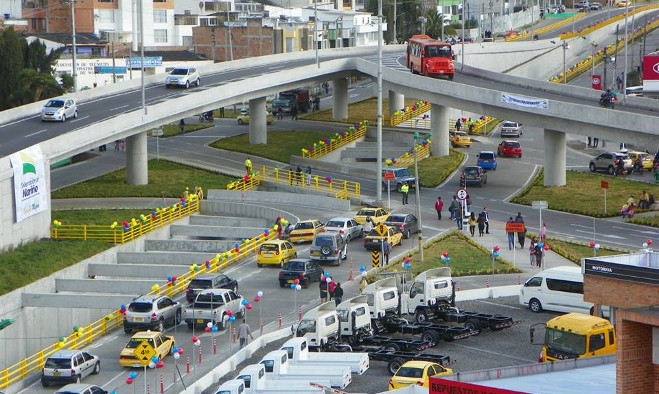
x=611, y=170
x=97, y=368
x=75, y=114
x=128, y=331
x=167, y=86
x=394, y=365
x=535, y=305
x=190, y=325
x=44, y=383
x=295, y=255
x=592, y=167
x=473, y=325
x=259, y=265
x=421, y=316
x=78, y=379
x=450, y=77
x=240, y=121
x=63, y=118
x=177, y=319
x=187, y=84
x=220, y=324
x=198, y=82
x=431, y=336
x=407, y=234
x=398, y=186
x=161, y=325
x=282, y=284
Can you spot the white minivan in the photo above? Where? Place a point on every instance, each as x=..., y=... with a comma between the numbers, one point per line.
x=558, y=289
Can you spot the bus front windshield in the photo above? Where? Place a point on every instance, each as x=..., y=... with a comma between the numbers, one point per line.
x=565, y=342
x=438, y=51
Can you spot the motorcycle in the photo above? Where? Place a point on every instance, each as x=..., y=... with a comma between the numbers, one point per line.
x=206, y=117
x=606, y=103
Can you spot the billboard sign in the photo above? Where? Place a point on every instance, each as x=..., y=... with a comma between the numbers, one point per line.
x=30, y=192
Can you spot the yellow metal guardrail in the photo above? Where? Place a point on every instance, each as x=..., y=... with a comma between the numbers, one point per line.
x=615, y=19
x=249, y=182
x=561, y=23
x=128, y=231
x=338, y=188
x=521, y=36
x=85, y=335
x=323, y=147
x=585, y=65
x=408, y=113
x=406, y=160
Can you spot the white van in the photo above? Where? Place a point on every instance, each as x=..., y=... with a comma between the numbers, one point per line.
x=557, y=289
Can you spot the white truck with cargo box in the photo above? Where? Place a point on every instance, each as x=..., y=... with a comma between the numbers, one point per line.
x=298, y=352
x=212, y=305
x=277, y=363
x=256, y=381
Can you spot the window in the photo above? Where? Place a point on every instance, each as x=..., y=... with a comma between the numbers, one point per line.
x=303, y=346
x=187, y=41
x=329, y=320
x=269, y=365
x=596, y=342
x=390, y=295
x=284, y=358
x=360, y=311
x=106, y=16
x=417, y=288
x=159, y=16
x=442, y=284
x=160, y=35
x=246, y=378
x=534, y=282
x=565, y=286
x=612, y=338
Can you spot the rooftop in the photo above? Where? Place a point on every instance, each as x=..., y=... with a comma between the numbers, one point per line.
x=636, y=267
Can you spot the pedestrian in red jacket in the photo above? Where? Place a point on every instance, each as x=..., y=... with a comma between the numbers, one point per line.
x=439, y=205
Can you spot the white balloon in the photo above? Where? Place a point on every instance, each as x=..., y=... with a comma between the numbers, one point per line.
x=259, y=293
x=645, y=245
x=198, y=343
x=177, y=356
x=209, y=324
x=298, y=287
x=152, y=365
x=597, y=246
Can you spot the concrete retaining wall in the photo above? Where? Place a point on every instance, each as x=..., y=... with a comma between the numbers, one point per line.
x=258, y=197
x=204, y=220
x=370, y=153
x=216, y=231
x=166, y=258
x=104, y=286
x=209, y=207
x=89, y=301
x=180, y=245
x=340, y=168
x=157, y=272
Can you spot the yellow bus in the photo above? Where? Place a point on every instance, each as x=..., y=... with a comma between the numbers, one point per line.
x=576, y=335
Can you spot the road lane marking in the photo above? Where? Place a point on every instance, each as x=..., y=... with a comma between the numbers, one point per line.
x=600, y=234
x=498, y=305
x=528, y=181
x=19, y=121
x=35, y=133
x=120, y=107
x=77, y=119
x=496, y=353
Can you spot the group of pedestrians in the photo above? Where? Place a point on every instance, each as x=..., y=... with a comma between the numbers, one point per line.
x=456, y=209
x=330, y=288
x=521, y=236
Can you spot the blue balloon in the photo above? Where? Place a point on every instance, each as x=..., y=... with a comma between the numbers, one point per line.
x=447, y=260
x=495, y=254
x=214, y=329
x=169, y=279
x=123, y=306
x=540, y=244
x=327, y=274
x=154, y=359
x=237, y=245
x=175, y=350
x=407, y=265
x=362, y=268
x=244, y=302
x=133, y=375
x=232, y=319
x=292, y=285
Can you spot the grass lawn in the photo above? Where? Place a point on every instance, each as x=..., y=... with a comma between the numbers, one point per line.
x=171, y=130
x=365, y=109
x=466, y=258
x=280, y=147
x=98, y=216
x=166, y=179
x=583, y=195
x=646, y=221
x=575, y=251
x=434, y=170
x=40, y=259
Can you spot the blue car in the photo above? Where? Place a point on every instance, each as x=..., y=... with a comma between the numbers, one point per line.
x=487, y=160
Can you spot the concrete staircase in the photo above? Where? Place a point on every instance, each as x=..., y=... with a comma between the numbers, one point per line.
x=367, y=150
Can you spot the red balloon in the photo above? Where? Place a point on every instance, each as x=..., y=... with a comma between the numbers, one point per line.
x=257, y=299
x=229, y=313
x=649, y=242
x=297, y=281
x=592, y=244
x=180, y=350
x=249, y=306
x=125, y=223
x=545, y=247
x=173, y=279
x=194, y=339
x=496, y=248
x=207, y=329
x=129, y=380
x=160, y=364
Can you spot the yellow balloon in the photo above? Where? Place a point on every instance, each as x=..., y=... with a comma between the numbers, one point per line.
x=155, y=288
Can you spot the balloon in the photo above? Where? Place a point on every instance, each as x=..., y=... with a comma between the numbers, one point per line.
x=249, y=307
x=244, y=302
x=207, y=329
x=496, y=248
x=540, y=244
x=545, y=247
x=75, y=328
x=129, y=381
x=155, y=288
x=257, y=299
x=362, y=268
x=152, y=365
x=296, y=281
x=180, y=351
x=198, y=343
x=649, y=242
x=597, y=246
x=326, y=274
x=173, y=279
x=447, y=260
x=232, y=319
x=292, y=285
x=61, y=339
x=194, y=339
x=592, y=244
x=169, y=279
x=408, y=259
x=175, y=350
x=645, y=245
x=259, y=293
x=214, y=329
x=209, y=324
x=229, y=312
x=298, y=287
x=495, y=254
x=160, y=364
x=154, y=359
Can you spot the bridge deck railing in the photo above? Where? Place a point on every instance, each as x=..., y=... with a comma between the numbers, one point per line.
x=342, y=138
x=408, y=113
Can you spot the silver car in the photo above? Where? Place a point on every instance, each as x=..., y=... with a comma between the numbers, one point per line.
x=69, y=366
x=151, y=313
x=81, y=389
x=59, y=110
x=183, y=77
x=347, y=227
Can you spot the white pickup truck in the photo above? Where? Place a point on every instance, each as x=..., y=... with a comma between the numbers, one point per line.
x=211, y=305
x=298, y=352
x=256, y=381
x=277, y=363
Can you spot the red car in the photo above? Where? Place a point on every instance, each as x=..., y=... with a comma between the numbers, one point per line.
x=510, y=148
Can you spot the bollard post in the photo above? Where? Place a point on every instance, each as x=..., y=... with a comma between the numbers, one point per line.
x=214, y=346
x=162, y=385
x=487, y=283
x=261, y=328
x=233, y=335
x=200, y=351
x=175, y=377
x=148, y=389
x=519, y=280
x=351, y=276
x=299, y=313
x=457, y=285
x=279, y=320
x=187, y=364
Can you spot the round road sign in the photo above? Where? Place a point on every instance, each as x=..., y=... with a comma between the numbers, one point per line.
x=462, y=194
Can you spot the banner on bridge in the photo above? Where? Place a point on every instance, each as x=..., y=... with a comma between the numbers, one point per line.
x=527, y=102
x=30, y=193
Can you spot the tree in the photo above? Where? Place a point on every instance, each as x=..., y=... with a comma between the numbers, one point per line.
x=37, y=59
x=407, y=16
x=434, y=24
x=11, y=64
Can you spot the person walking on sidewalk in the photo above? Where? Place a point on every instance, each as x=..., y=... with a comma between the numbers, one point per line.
x=458, y=217
x=543, y=233
x=439, y=205
x=181, y=126
x=454, y=208
x=472, y=223
x=338, y=294
x=486, y=216
x=363, y=284
x=323, y=289
x=244, y=332
x=331, y=287
x=405, y=189
x=511, y=236
x=294, y=112
x=521, y=236
x=532, y=253
x=386, y=249
x=481, y=224
x=458, y=125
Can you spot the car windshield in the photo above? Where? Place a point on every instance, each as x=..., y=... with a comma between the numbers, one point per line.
x=140, y=307
x=215, y=299
x=135, y=342
x=512, y=144
x=269, y=248
x=402, y=173
x=323, y=241
x=294, y=266
x=304, y=226
x=461, y=134
x=335, y=223
x=396, y=218
x=374, y=233
x=509, y=124
x=486, y=155
x=366, y=212
x=55, y=104
x=58, y=363
x=200, y=284
x=438, y=51
x=565, y=342
x=407, y=372
x=306, y=326
x=180, y=71
x=471, y=171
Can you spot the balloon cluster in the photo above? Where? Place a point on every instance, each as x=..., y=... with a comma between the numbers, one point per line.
x=122, y=309
x=178, y=352
x=77, y=331
x=210, y=328
x=328, y=179
x=495, y=252
x=336, y=138
x=196, y=341
x=647, y=243
x=61, y=341
x=171, y=280
x=258, y=296
x=594, y=245
x=546, y=247
x=390, y=162
x=131, y=378
x=445, y=257
x=407, y=265
x=57, y=223
x=296, y=284
x=230, y=316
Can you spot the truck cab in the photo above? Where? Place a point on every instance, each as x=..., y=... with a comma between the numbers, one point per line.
x=382, y=297
x=255, y=381
x=354, y=317
x=319, y=325
x=577, y=335
x=429, y=289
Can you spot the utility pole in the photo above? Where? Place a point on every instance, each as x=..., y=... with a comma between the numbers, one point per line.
x=141, y=19
x=395, y=17
x=229, y=25
x=418, y=194
x=378, y=183
x=443, y=20
x=315, y=27
x=462, y=64
x=624, y=72
x=114, y=74
x=592, y=58
x=73, y=44
x=606, y=59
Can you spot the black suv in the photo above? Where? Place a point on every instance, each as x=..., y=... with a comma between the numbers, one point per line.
x=331, y=247
x=209, y=281
x=305, y=270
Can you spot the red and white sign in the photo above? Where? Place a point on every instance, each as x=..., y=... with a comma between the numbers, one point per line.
x=651, y=73
x=462, y=194
x=597, y=82
x=444, y=386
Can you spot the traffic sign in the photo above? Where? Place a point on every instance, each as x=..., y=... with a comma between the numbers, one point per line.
x=375, y=257
x=604, y=185
x=381, y=229
x=462, y=194
x=388, y=176
x=515, y=228
x=144, y=352
x=540, y=204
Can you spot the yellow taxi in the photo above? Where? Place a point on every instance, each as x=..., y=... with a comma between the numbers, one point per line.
x=275, y=252
x=374, y=240
x=377, y=215
x=306, y=230
x=461, y=138
x=418, y=373
x=161, y=343
x=244, y=118
x=645, y=157
x=625, y=3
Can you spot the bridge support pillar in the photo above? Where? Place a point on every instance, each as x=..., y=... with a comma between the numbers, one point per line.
x=340, y=99
x=137, y=167
x=439, y=130
x=396, y=102
x=554, y=158
x=258, y=130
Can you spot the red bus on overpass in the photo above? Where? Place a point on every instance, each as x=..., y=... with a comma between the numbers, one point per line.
x=430, y=57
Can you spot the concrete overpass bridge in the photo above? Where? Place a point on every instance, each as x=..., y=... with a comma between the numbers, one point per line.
x=558, y=109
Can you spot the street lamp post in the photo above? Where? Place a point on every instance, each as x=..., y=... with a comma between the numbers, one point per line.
x=565, y=48
x=73, y=45
x=395, y=17
x=378, y=182
x=624, y=72
x=141, y=21
x=418, y=194
x=315, y=27
x=592, y=57
x=463, y=36
x=442, y=20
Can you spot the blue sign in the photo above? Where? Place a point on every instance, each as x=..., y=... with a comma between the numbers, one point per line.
x=108, y=70
x=149, y=62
